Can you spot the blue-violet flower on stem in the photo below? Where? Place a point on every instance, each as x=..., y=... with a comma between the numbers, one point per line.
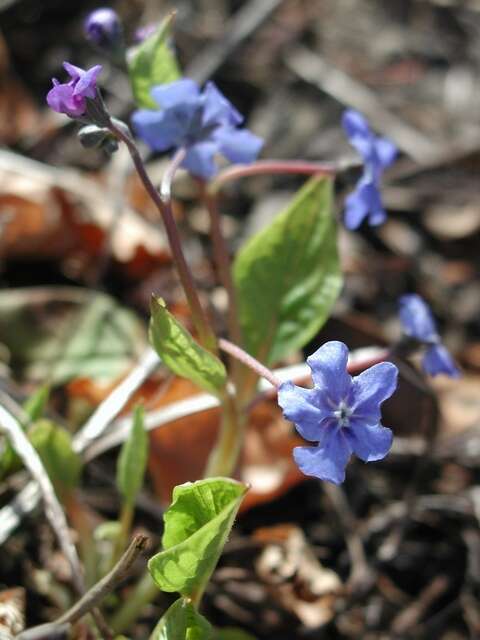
x=418, y=323
x=377, y=154
x=340, y=413
x=203, y=123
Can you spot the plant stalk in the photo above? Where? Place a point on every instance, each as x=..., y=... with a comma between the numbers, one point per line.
x=164, y=206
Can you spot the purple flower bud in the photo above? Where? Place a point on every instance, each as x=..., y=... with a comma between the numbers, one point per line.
x=103, y=28
x=204, y=123
x=377, y=154
x=341, y=413
x=70, y=97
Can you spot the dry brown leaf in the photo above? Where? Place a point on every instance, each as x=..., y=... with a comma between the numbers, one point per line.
x=296, y=579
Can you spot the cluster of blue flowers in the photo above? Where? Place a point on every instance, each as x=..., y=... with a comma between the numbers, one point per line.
x=203, y=123
x=340, y=414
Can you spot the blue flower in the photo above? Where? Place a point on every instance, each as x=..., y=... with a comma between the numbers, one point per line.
x=341, y=413
x=377, y=154
x=418, y=323
x=204, y=123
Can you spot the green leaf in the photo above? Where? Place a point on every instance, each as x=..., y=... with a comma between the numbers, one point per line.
x=60, y=333
x=132, y=460
x=197, y=525
x=35, y=405
x=33, y=408
x=54, y=446
x=153, y=63
x=288, y=276
x=181, y=354
x=182, y=622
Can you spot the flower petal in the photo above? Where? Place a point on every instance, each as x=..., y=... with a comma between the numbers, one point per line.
x=86, y=85
x=218, y=109
x=386, y=151
x=358, y=132
x=356, y=209
x=73, y=71
x=174, y=93
x=61, y=99
x=238, y=145
x=416, y=318
x=371, y=196
x=369, y=442
x=370, y=389
x=161, y=130
x=437, y=360
x=327, y=461
x=329, y=370
x=200, y=160
x=297, y=407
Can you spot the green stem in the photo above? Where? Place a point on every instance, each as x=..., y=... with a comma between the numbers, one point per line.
x=126, y=519
x=143, y=594
x=164, y=206
x=224, y=457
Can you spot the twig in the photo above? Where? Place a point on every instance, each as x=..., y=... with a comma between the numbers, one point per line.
x=93, y=597
x=362, y=576
x=54, y=511
x=411, y=615
x=114, y=403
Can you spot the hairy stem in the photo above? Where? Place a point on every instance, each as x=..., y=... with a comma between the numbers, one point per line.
x=200, y=320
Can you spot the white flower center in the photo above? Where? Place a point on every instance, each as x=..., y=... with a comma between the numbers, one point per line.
x=343, y=413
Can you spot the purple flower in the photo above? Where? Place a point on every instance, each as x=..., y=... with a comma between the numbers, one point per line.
x=377, y=154
x=340, y=413
x=204, y=123
x=418, y=323
x=103, y=28
x=70, y=97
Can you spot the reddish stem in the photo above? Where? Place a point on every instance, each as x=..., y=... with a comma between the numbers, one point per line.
x=271, y=167
x=248, y=360
x=163, y=204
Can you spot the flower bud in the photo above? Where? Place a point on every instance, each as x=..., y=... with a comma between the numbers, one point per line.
x=103, y=28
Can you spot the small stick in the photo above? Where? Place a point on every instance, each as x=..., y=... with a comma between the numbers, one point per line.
x=92, y=598
x=115, y=401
